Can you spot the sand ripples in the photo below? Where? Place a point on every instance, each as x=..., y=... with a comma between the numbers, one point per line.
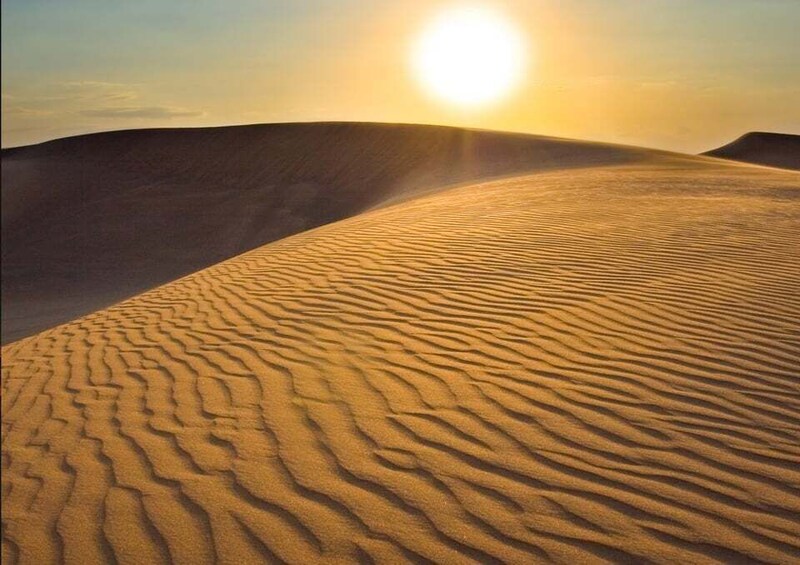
x=591, y=366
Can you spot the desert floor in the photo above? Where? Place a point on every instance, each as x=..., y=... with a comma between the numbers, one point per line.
x=574, y=366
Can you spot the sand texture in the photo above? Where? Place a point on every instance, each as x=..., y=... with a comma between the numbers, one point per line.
x=761, y=148
x=575, y=366
x=91, y=220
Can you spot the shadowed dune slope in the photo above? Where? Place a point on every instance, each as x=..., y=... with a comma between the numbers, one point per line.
x=598, y=365
x=90, y=220
x=772, y=149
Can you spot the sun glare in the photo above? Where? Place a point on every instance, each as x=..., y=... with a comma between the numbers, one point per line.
x=468, y=56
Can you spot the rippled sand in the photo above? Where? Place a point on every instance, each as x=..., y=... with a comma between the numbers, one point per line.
x=575, y=366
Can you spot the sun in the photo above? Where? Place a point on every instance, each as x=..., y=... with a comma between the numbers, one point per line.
x=468, y=56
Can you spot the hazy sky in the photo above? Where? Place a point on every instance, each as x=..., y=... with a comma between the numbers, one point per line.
x=686, y=75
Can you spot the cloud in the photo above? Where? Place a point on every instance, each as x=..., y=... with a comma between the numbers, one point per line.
x=71, y=93
x=146, y=112
x=96, y=90
x=93, y=84
x=118, y=96
x=25, y=111
x=91, y=99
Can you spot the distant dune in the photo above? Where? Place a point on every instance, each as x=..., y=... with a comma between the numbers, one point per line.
x=90, y=220
x=579, y=366
x=760, y=148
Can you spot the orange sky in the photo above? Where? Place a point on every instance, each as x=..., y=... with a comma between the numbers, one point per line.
x=685, y=75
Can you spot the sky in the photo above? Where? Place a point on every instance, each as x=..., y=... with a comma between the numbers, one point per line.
x=683, y=75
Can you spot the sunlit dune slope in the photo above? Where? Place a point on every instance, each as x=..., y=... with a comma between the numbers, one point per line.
x=576, y=367
x=90, y=220
x=761, y=148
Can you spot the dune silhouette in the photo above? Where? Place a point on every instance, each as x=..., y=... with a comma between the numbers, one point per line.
x=90, y=220
x=772, y=149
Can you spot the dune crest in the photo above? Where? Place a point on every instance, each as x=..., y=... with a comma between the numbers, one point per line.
x=780, y=150
x=91, y=220
x=574, y=367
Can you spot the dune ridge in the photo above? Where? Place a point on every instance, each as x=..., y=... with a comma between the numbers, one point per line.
x=90, y=220
x=585, y=366
x=780, y=150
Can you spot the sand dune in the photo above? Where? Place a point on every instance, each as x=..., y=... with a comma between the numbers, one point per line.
x=584, y=366
x=90, y=220
x=761, y=148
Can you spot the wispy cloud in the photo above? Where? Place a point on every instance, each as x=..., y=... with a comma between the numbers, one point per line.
x=94, y=84
x=99, y=90
x=25, y=111
x=105, y=97
x=76, y=92
x=118, y=96
x=91, y=99
x=146, y=112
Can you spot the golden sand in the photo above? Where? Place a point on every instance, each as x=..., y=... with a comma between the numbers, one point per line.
x=575, y=366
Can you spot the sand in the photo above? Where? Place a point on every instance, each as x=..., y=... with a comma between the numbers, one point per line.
x=763, y=148
x=91, y=220
x=575, y=366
